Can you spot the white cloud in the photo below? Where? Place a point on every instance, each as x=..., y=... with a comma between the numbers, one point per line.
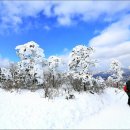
x=46, y=27
x=66, y=50
x=113, y=42
x=13, y=13
x=4, y=62
x=114, y=34
x=86, y=10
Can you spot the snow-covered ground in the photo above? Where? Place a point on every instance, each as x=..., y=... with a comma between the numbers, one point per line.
x=28, y=110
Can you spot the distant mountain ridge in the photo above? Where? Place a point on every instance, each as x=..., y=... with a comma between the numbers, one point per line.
x=106, y=74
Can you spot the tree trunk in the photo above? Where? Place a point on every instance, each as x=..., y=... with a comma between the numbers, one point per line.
x=53, y=81
x=117, y=84
x=85, y=87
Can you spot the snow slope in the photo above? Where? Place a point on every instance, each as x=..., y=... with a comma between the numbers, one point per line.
x=28, y=110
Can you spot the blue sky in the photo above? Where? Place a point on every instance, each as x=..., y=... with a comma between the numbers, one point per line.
x=55, y=40
x=58, y=26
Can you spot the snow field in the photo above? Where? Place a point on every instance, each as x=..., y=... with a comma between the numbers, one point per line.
x=29, y=110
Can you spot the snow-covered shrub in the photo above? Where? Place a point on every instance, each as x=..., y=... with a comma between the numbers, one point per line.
x=98, y=84
x=48, y=84
x=76, y=83
x=52, y=93
x=5, y=78
x=12, y=77
x=109, y=81
x=16, y=76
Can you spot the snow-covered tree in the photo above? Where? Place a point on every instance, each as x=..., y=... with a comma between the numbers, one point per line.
x=5, y=78
x=80, y=64
x=32, y=62
x=53, y=75
x=54, y=63
x=115, y=67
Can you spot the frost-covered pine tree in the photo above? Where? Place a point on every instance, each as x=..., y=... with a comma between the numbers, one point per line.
x=80, y=63
x=32, y=62
x=115, y=67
